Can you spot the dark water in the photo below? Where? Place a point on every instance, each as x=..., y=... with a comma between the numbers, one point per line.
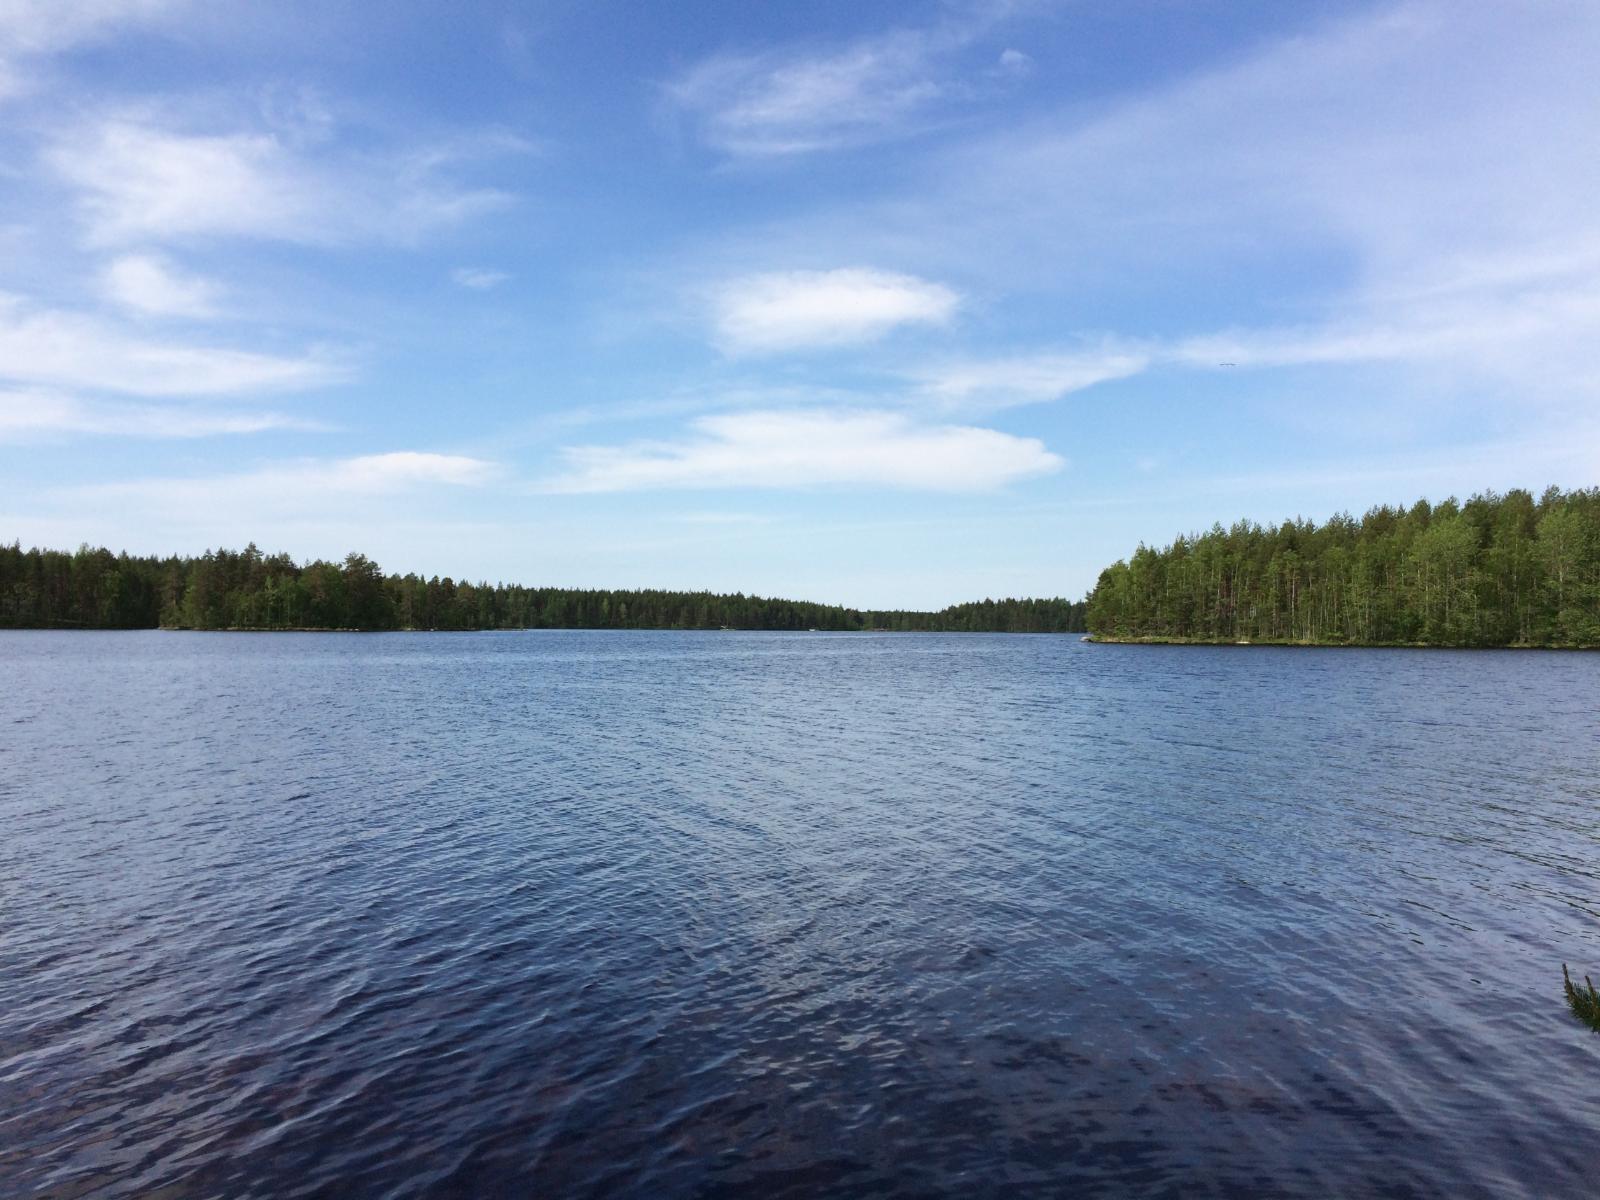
x=689, y=914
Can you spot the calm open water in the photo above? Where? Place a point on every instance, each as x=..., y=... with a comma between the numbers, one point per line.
x=701, y=914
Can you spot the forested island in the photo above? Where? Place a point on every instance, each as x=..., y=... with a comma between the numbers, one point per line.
x=224, y=589
x=1498, y=570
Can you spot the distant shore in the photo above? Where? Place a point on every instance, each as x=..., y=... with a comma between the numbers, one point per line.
x=1180, y=641
x=248, y=591
x=574, y=629
x=505, y=629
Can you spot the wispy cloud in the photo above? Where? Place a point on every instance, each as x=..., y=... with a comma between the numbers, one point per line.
x=41, y=416
x=802, y=449
x=149, y=283
x=298, y=487
x=792, y=310
x=401, y=468
x=479, y=279
x=1460, y=239
x=1520, y=321
x=325, y=506
x=140, y=179
x=32, y=29
x=1028, y=379
x=75, y=351
x=1533, y=334
x=794, y=101
x=41, y=26
x=1524, y=329
x=1014, y=62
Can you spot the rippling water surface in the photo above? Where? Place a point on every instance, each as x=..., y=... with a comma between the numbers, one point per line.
x=684, y=914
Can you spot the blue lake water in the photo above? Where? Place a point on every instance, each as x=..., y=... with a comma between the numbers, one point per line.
x=714, y=914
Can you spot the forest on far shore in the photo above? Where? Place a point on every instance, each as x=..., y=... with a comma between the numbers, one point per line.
x=1497, y=570
x=225, y=589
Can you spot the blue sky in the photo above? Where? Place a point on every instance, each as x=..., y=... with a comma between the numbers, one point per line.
x=877, y=304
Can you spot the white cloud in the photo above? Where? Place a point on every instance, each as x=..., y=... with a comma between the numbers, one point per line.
x=478, y=278
x=42, y=26
x=799, y=449
x=1015, y=62
x=36, y=28
x=384, y=504
x=1521, y=331
x=1028, y=379
x=299, y=488
x=1412, y=186
x=141, y=181
x=402, y=468
x=788, y=102
x=149, y=283
x=40, y=416
x=791, y=310
x=71, y=350
x=1535, y=334
x=766, y=105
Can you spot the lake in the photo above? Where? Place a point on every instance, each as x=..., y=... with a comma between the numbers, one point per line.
x=669, y=914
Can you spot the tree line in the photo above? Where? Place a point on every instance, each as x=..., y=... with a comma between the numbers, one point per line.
x=226, y=589
x=1497, y=570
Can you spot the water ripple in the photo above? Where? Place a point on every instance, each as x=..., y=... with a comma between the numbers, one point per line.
x=785, y=915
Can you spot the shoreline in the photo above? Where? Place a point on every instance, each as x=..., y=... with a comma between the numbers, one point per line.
x=1307, y=645
x=1077, y=633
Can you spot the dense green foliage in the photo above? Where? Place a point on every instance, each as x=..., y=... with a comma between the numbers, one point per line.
x=1495, y=571
x=1583, y=1001
x=95, y=589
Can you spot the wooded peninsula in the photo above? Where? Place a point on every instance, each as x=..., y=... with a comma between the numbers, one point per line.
x=1498, y=570
x=225, y=589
